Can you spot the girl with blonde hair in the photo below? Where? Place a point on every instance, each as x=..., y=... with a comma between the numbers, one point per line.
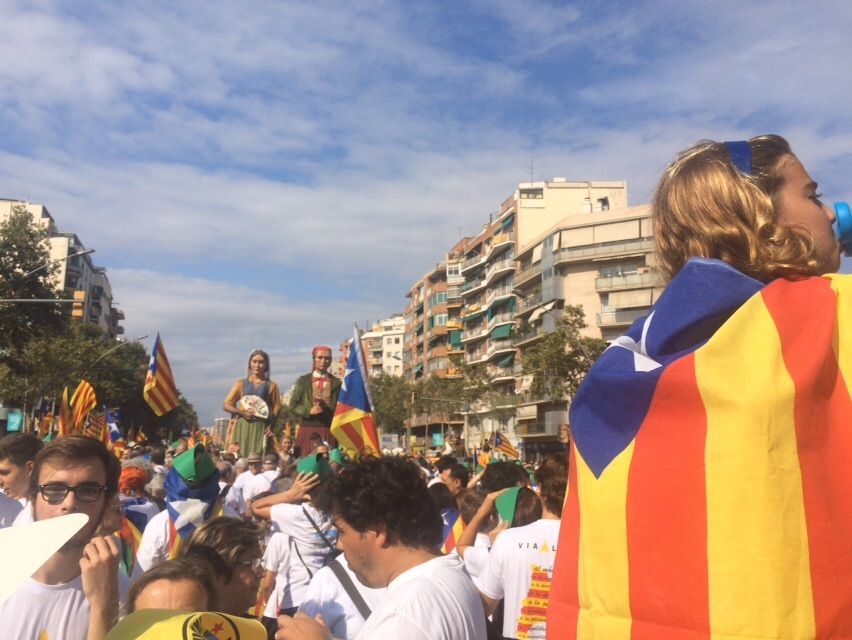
x=710, y=492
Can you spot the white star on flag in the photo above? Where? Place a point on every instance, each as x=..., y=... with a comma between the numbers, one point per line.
x=641, y=360
x=190, y=511
x=346, y=375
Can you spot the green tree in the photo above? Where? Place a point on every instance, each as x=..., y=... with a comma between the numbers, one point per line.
x=560, y=360
x=25, y=274
x=391, y=396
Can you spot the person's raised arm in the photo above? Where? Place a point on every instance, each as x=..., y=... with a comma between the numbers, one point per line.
x=468, y=536
x=99, y=572
x=299, y=492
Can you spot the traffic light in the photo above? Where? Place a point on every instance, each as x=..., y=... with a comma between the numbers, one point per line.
x=77, y=305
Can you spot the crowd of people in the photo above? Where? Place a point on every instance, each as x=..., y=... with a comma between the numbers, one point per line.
x=278, y=544
x=705, y=492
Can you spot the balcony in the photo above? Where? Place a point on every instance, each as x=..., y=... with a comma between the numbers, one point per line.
x=470, y=287
x=527, y=274
x=499, y=292
x=529, y=303
x=530, y=335
x=470, y=263
x=499, y=346
x=638, y=246
x=507, y=265
x=500, y=374
x=620, y=318
x=536, y=429
x=633, y=280
x=475, y=333
x=500, y=318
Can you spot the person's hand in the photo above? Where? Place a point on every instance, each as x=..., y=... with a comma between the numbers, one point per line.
x=268, y=433
x=316, y=410
x=248, y=414
x=99, y=567
x=491, y=498
x=302, y=485
x=302, y=627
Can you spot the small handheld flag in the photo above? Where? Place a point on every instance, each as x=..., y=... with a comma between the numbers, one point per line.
x=64, y=414
x=504, y=446
x=160, y=391
x=353, y=424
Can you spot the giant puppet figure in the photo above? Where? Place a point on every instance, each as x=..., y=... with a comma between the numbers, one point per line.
x=710, y=490
x=313, y=401
x=254, y=402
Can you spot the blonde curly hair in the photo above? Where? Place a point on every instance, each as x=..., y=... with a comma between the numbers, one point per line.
x=705, y=207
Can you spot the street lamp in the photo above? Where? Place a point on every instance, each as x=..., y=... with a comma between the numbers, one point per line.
x=53, y=262
x=106, y=353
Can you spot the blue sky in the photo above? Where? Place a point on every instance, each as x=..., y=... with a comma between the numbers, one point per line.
x=266, y=173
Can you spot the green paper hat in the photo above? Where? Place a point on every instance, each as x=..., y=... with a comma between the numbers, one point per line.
x=317, y=464
x=506, y=503
x=194, y=465
x=336, y=455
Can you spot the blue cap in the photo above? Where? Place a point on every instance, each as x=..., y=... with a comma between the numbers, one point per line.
x=843, y=226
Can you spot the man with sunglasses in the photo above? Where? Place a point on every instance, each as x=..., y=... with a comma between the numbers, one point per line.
x=78, y=584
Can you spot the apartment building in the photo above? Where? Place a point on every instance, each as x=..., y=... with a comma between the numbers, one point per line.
x=601, y=260
x=78, y=273
x=384, y=346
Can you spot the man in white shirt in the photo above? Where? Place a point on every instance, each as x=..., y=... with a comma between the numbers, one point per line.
x=520, y=565
x=17, y=456
x=79, y=586
x=390, y=531
x=263, y=481
x=231, y=496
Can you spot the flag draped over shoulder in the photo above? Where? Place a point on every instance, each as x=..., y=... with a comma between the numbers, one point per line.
x=160, y=391
x=505, y=446
x=83, y=401
x=710, y=493
x=353, y=424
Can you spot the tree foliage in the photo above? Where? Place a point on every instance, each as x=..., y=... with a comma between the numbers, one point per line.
x=560, y=360
x=25, y=274
x=391, y=396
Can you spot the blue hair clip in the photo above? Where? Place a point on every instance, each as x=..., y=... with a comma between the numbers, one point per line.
x=740, y=153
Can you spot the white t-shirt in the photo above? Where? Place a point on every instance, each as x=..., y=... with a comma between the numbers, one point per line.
x=259, y=483
x=307, y=550
x=9, y=509
x=435, y=600
x=37, y=611
x=327, y=596
x=25, y=515
x=476, y=557
x=277, y=558
x=234, y=498
x=520, y=570
x=154, y=546
x=242, y=480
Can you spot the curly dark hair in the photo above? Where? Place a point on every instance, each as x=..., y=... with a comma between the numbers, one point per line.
x=502, y=475
x=388, y=493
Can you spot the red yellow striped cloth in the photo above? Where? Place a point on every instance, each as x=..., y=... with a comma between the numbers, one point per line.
x=723, y=509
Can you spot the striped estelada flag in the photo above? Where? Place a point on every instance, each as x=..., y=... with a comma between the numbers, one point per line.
x=352, y=424
x=129, y=538
x=452, y=530
x=83, y=401
x=505, y=446
x=116, y=440
x=160, y=391
x=710, y=490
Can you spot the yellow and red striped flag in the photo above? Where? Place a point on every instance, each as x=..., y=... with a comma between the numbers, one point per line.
x=83, y=401
x=710, y=491
x=452, y=532
x=97, y=428
x=160, y=391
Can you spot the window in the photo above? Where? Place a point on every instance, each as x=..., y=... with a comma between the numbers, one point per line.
x=453, y=269
x=396, y=340
x=440, y=319
x=532, y=194
x=603, y=204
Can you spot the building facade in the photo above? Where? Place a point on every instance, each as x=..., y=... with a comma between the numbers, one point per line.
x=384, y=346
x=78, y=273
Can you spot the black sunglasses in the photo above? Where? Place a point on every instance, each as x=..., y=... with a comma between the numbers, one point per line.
x=56, y=493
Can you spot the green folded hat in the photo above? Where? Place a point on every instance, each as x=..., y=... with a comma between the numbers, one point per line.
x=506, y=504
x=315, y=463
x=194, y=465
x=336, y=455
